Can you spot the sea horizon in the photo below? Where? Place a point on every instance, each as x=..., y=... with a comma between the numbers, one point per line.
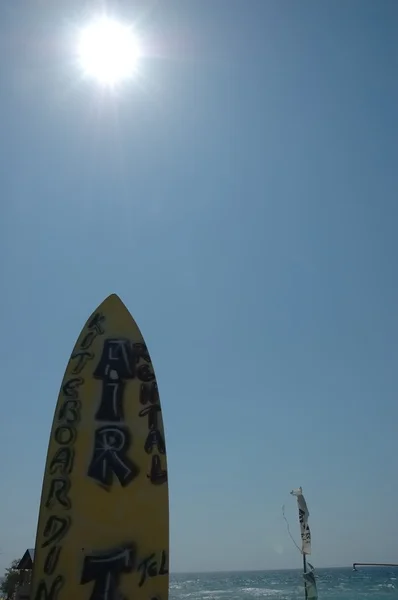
x=266, y=570
x=229, y=571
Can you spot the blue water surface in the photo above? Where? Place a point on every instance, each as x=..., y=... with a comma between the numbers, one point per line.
x=333, y=584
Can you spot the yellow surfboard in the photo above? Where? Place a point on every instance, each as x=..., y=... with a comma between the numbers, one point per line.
x=103, y=530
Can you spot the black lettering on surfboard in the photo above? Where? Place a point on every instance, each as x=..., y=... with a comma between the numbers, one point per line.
x=154, y=440
x=95, y=329
x=62, y=461
x=149, y=397
x=65, y=435
x=145, y=373
x=82, y=358
x=55, y=529
x=58, y=493
x=111, y=445
x=70, y=411
x=45, y=593
x=88, y=340
x=96, y=323
x=116, y=366
x=111, y=407
x=118, y=356
x=70, y=389
x=147, y=568
x=149, y=394
x=52, y=560
x=141, y=351
x=157, y=475
x=152, y=412
x=105, y=569
x=163, y=569
x=150, y=567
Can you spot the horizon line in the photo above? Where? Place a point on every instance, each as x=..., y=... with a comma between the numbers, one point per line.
x=206, y=572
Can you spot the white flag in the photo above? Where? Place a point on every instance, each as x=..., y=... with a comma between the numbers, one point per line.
x=303, y=518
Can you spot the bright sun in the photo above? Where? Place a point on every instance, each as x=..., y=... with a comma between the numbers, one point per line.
x=108, y=51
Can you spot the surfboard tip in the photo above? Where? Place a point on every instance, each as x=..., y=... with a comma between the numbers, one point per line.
x=115, y=298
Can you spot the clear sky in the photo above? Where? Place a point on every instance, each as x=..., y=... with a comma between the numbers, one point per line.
x=240, y=196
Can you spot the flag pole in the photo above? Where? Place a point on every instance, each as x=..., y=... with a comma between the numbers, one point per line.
x=305, y=533
x=305, y=570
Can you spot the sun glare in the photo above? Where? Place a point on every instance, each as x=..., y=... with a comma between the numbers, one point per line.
x=108, y=51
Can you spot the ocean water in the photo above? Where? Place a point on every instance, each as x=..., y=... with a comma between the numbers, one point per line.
x=332, y=584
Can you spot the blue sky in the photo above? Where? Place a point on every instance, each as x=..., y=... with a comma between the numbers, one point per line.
x=241, y=198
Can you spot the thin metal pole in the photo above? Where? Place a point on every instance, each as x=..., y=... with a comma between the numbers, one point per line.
x=305, y=570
